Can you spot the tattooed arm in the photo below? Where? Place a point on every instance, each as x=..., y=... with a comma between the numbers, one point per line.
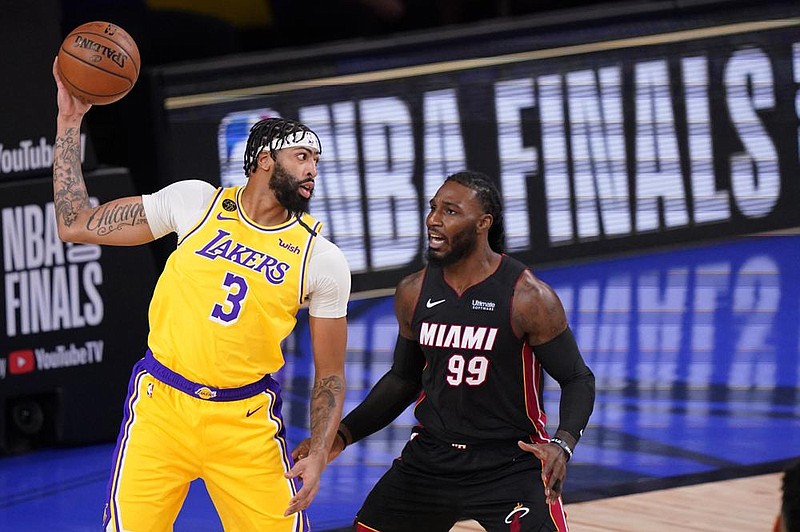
x=120, y=222
x=328, y=339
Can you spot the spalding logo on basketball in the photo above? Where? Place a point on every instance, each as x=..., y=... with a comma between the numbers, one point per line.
x=99, y=62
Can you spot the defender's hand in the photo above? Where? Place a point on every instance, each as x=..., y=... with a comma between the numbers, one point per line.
x=554, y=467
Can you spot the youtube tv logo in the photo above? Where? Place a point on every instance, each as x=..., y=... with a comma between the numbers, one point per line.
x=21, y=361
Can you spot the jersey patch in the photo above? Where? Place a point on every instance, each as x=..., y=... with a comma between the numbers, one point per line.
x=477, y=304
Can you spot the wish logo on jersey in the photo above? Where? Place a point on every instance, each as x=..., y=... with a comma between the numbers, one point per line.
x=234, y=129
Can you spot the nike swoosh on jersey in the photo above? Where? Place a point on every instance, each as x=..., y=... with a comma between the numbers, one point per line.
x=250, y=413
x=431, y=304
x=220, y=217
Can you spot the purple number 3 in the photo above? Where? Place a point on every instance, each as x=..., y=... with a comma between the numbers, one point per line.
x=237, y=290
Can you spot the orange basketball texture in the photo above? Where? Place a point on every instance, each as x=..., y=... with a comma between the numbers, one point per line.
x=99, y=62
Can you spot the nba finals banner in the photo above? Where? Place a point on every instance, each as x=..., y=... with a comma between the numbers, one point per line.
x=608, y=144
x=74, y=319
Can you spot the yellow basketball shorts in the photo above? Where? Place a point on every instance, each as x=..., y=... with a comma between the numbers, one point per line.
x=175, y=431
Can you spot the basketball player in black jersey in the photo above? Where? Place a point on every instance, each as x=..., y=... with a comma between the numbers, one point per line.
x=476, y=329
x=788, y=519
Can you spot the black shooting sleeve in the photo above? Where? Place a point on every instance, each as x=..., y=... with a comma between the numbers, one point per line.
x=562, y=360
x=391, y=395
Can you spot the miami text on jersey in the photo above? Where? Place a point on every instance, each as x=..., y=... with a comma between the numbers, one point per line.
x=457, y=336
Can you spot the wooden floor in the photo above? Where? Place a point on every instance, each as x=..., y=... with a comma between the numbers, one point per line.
x=741, y=504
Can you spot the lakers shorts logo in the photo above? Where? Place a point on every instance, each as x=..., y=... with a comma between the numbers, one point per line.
x=205, y=393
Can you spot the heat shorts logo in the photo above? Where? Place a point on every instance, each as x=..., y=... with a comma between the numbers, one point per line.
x=517, y=513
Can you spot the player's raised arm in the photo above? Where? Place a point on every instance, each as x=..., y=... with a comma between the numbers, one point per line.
x=119, y=222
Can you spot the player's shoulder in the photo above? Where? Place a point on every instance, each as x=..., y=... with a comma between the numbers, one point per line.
x=198, y=184
x=412, y=281
x=192, y=189
x=323, y=245
x=532, y=292
x=193, y=185
x=406, y=297
x=410, y=287
x=328, y=252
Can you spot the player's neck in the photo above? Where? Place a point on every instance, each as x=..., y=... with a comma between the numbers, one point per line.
x=262, y=206
x=472, y=269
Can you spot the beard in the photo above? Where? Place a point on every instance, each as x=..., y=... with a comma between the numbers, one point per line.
x=286, y=189
x=461, y=244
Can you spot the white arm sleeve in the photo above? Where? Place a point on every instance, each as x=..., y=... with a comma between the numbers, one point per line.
x=177, y=207
x=328, y=280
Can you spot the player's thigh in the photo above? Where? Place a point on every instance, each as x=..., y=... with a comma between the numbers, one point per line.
x=408, y=501
x=247, y=457
x=154, y=461
x=515, y=502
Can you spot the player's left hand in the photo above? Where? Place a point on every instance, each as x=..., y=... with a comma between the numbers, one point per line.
x=308, y=470
x=554, y=467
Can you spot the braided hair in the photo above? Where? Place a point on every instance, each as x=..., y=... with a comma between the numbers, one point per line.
x=271, y=133
x=489, y=197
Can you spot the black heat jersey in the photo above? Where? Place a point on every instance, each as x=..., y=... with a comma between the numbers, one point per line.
x=481, y=382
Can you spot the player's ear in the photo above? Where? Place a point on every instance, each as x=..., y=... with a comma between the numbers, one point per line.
x=265, y=160
x=485, y=222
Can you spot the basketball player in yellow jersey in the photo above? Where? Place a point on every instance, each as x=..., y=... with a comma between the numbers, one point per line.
x=201, y=402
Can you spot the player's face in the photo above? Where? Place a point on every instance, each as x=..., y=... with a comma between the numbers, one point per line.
x=293, y=178
x=452, y=224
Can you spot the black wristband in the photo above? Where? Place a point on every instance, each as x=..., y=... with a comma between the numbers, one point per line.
x=564, y=446
x=341, y=435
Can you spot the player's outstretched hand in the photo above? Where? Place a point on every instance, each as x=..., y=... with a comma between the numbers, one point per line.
x=302, y=449
x=308, y=470
x=554, y=467
x=68, y=105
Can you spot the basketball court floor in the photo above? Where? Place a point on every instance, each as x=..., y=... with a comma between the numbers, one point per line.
x=696, y=352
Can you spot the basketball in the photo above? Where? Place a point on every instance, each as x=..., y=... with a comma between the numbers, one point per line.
x=99, y=62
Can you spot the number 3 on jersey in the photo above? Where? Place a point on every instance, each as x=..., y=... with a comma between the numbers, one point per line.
x=228, y=311
x=476, y=370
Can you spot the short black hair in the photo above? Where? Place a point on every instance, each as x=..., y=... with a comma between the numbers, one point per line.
x=264, y=133
x=491, y=203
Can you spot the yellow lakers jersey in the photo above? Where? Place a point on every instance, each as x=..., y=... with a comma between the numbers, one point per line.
x=229, y=295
